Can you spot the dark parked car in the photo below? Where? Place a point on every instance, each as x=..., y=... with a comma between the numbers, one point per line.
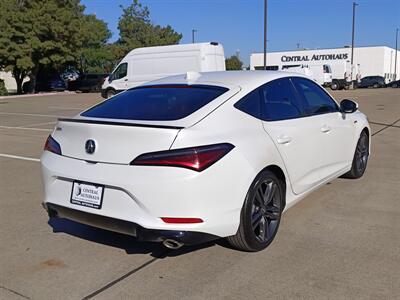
x=372, y=81
x=394, y=84
x=88, y=82
x=46, y=82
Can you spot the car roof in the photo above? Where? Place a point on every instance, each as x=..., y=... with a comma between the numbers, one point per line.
x=244, y=79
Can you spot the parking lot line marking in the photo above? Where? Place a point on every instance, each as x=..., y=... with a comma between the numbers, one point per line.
x=67, y=108
x=19, y=157
x=30, y=115
x=26, y=128
x=38, y=124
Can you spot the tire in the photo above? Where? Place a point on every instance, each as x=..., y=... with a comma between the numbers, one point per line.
x=261, y=214
x=360, y=159
x=375, y=86
x=334, y=85
x=110, y=93
x=394, y=85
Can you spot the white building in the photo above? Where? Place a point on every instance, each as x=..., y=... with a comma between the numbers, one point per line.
x=374, y=60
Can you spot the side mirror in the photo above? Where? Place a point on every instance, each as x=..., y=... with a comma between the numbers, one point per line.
x=348, y=106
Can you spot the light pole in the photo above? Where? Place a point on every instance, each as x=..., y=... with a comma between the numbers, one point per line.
x=265, y=34
x=193, y=31
x=395, y=56
x=352, y=43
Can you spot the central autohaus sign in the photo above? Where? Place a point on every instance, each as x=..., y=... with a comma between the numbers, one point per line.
x=314, y=57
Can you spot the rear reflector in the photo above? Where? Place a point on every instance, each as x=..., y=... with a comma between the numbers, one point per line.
x=52, y=145
x=182, y=220
x=195, y=158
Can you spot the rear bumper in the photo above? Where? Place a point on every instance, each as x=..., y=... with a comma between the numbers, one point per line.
x=126, y=227
x=142, y=195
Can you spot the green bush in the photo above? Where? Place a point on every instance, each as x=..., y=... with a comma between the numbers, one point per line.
x=3, y=90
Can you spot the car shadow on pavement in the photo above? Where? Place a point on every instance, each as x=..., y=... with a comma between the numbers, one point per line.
x=128, y=243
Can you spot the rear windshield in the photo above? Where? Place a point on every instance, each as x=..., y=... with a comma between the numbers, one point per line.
x=156, y=103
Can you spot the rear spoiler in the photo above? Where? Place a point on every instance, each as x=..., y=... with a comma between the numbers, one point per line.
x=100, y=122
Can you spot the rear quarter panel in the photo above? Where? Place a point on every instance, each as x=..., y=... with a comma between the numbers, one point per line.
x=254, y=150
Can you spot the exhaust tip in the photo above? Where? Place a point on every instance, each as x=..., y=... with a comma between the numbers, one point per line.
x=172, y=244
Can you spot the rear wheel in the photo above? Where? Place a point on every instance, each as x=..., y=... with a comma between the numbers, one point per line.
x=261, y=214
x=110, y=93
x=360, y=159
x=375, y=86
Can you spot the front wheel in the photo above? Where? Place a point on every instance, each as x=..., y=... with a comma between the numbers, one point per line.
x=260, y=215
x=360, y=158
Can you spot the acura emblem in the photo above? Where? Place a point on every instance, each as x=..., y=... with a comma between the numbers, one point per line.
x=90, y=146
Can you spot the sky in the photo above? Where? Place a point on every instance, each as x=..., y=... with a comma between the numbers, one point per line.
x=238, y=24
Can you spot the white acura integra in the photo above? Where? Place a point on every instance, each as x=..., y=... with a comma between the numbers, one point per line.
x=196, y=157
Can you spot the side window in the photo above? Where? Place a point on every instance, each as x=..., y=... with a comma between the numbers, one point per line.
x=250, y=104
x=120, y=72
x=315, y=99
x=279, y=101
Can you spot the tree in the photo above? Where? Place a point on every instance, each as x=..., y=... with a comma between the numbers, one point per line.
x=136, y=30
x=95, y=55
x=48, y=34
x=3, y=90
x=233, y=63
x=15, y=31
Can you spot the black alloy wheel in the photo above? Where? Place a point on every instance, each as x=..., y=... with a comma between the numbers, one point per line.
x=360, y=159
x=261, y=214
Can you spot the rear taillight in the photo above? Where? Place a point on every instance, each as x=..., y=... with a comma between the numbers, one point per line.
x=52, y=145
x=194, y=158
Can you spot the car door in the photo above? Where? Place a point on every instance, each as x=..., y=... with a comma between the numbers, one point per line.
x=120, y=77
x=336, y=130
x=296, y=137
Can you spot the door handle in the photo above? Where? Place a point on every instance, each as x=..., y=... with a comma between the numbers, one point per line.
x=284, y=139
x=126, y=79
x=325, y=129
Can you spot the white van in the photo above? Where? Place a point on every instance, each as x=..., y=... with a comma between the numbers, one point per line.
x=150, y=63
x=322, y=74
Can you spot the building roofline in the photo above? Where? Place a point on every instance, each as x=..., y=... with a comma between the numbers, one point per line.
x=333, y=48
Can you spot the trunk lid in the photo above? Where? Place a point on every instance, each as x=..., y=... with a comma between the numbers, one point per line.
x=114, y=142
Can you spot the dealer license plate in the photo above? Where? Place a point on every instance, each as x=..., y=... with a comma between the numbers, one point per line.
x=87, y=194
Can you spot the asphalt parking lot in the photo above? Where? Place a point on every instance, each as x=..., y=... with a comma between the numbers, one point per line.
x=342, y=241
